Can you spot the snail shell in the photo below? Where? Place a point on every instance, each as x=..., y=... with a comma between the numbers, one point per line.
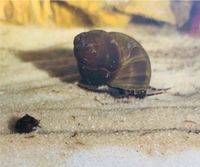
x=26, y=124
x=135, y=70
x=113, y=59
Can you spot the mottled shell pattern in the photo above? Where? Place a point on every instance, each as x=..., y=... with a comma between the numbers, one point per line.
x=113, y=59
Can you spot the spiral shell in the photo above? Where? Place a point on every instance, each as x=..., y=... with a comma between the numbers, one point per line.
x=113, y=59
x=135, y=71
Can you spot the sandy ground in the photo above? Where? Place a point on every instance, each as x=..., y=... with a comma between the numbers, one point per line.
x=38, y=76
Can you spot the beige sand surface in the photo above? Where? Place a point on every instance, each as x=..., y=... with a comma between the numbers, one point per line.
x=39, y=77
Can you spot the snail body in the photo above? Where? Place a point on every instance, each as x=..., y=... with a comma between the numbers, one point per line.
x=112, y=59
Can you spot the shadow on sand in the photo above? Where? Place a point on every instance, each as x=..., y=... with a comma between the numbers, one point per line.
x=58, y=62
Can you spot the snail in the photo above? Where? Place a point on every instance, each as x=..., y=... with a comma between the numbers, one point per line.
x=26, y=124
x=113, y=62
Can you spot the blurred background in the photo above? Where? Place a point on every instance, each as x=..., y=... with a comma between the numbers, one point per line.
x=184, y=15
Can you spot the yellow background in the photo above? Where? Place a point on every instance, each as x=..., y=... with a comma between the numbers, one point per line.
x=74, y=13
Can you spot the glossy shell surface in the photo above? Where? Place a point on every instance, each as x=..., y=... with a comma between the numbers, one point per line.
x=135, y=71
x=113, y=59
x=26, y=124
x=97, y=57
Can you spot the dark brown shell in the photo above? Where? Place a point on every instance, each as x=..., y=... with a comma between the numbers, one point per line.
x=98, y=58
x=113, y=59
x=135, y=71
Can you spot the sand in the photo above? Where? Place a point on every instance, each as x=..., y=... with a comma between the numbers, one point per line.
x=38, y=76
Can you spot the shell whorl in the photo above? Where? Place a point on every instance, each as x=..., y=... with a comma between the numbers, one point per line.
x=135, y=71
